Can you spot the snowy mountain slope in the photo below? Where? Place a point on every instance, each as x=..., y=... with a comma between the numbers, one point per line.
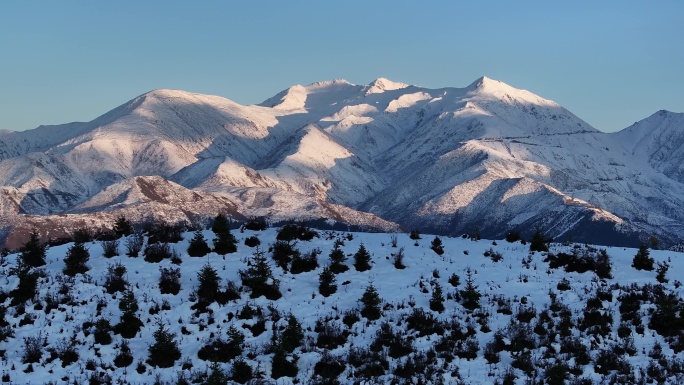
x=526, y=315
x=659, y=139
x=485, y=156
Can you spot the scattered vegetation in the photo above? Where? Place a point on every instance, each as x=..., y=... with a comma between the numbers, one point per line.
x=90, y=320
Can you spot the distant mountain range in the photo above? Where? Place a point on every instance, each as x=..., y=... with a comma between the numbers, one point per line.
x=487, y=158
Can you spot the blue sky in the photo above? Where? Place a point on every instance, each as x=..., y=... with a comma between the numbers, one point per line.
x=609, y=62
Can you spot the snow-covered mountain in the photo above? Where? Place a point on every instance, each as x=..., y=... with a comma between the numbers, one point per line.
x=487, y=158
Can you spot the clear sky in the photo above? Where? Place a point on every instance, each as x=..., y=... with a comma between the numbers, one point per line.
x=610, y=62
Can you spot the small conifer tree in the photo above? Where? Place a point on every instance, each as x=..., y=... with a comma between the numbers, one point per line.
x=642, y=260
x=28, y=283
x=220, y=224
x=259, y=278
x=125, y=357
x=164, y=352
x=281, y=366
x=337, y=259
x=602, y=265
x=436, y=246
x=209, y=282
x=662, y=269
x=129, y=324
x=362, y=259
x=326, y=282
x=101, y=332
x=33, y=251
x=76, y=260
x=437, y=299
x=198, y=245
x=225, y=243
x=122, y=227
x=241, y=372
x=293, y=335
x=469, y=295
x=538, y=242
x=217, y=376
x=371, y=303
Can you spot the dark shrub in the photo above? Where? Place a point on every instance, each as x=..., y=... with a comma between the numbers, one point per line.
x=252, y=241
x=329, y=366
x=169, y=280
x=115, y=281
x=110, y=248
x=255, y=224
x=157, y=252
x=306, y=263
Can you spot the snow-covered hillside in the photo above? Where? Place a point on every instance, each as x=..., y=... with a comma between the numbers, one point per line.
x=487, y=156
x=533, y=320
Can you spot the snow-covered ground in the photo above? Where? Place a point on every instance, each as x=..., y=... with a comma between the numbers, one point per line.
x=520, y=276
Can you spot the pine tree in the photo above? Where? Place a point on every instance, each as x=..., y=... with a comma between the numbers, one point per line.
x=129, y=324
x=125, y=357
x=220, y=225
x=437, y=299
x=33, y=252
x=241, y=372
x=259, y=278
x=128, y=303
x=602, y=265
x=164, y=352
x=326, y=282
x=538, y=243
x=362, y=259
x=235, y=340
x=337, y=259
x=225, y=243
x=281, y=366
x=217, y=376
x=469, y=295
x=28, y=283
x=662, y=269
x=122, y=227
x=76, y=260
x=642, y=260
x=209, y=282
x=101, y=332
x=198, y=245
x=371, y=303
x=436, y=246
x=293, y=335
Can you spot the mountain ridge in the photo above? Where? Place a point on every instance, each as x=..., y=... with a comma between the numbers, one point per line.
x=486, y=156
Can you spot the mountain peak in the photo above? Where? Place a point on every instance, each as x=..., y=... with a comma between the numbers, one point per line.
x=490, y=85
x=327, y=83
x=381, y=85
x=167, y=93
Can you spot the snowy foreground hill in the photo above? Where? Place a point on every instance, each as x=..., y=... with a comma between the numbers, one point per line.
x=487, y=157
x=535, y=322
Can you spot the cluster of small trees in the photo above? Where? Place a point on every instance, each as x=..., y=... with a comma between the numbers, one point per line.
x=553, y=328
